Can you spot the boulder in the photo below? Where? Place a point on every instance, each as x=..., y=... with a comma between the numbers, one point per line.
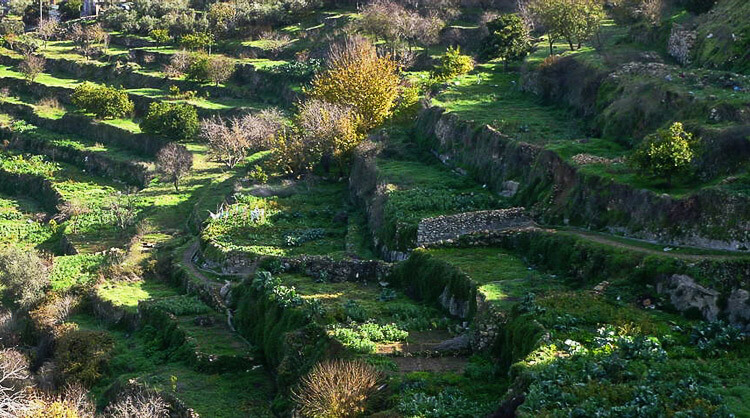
x=738, y=308
x=685, y=294
x=459, y=344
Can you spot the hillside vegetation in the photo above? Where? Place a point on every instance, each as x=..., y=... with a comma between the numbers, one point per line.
x=318, y=208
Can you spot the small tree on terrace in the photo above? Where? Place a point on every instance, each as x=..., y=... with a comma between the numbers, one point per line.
x=573, y=20
x=23, y=275
x=177, y=121
x=173, y=162
x=666, y=153
x=160, y=36
x=333, y=127
x=85, y=36
x=102, y=101
x=508, y=39
x=357, y=77
x=220, y=69
x=31, y=66
x=47, y=30
x=229, y=142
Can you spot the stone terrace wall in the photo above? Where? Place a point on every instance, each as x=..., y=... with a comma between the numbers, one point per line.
x=557, y=193
x=450, y=227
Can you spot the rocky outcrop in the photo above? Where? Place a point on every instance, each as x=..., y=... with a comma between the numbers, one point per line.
x=680, y=44
x=557, y=193
x=686, y=295
x=449, y=227
x=738, y=308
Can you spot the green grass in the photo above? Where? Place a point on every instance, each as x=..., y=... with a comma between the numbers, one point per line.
x=235, y=393
x=297, y=210
x=501, y=277
x=490, y=95
x=128, y=294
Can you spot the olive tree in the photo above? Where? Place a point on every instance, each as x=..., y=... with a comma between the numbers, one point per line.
x=23, y=275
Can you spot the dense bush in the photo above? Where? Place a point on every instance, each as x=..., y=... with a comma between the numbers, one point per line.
x=667, y=153
x=23, y=275
x=82, y=356
x=453, y=64
x=175, y=121
x=508, y=38
x=359, y=78
x=71, y=9
x=102, y=101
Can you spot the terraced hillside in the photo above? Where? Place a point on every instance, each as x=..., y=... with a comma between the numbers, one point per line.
x=481, y=244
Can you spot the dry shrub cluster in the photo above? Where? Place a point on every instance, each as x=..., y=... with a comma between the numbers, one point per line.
x=336, y=389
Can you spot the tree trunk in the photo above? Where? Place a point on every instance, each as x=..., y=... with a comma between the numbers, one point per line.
x=550, y=45
x=570, y=42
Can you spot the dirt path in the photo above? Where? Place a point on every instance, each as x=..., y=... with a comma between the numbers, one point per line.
x=674, y=252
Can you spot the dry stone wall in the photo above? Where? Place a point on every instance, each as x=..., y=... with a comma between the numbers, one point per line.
x=450, y=227
x=557, y=193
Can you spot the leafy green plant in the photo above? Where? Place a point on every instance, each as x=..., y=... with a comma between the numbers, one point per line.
x=452, y=64
x=715, y=338
x=667, y=153
x=102, y=101
x=176, y=121
x=508, y=39
x=355, y=311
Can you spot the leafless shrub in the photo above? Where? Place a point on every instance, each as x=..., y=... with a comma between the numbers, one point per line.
x=47, y=30
x=173, y=162
x=137, y=402
x=31, y=66
x=49, y=102
x=336, y=389
x=229, y=141
x=178, y=64
x=14, y=379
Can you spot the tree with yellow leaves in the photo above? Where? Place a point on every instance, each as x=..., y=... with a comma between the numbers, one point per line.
x=357, y=77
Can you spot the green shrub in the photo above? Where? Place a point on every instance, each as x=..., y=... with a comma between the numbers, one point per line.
x=81, y=356
x=199, y=68
x=173, y=120
x=449, y=403
x=667, y=153
x=23, y=276
x=509, y=39
x=355, y=311
x=102, y=101
x=71, y=9
x=453, y=64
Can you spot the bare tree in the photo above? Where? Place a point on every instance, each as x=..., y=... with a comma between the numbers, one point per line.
x=178, y=64
x=14, y=379
x=31, y=66
x=48, y=29
x=137, y=402
x=230, y=141
x=174, y=161
x=85, y=36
